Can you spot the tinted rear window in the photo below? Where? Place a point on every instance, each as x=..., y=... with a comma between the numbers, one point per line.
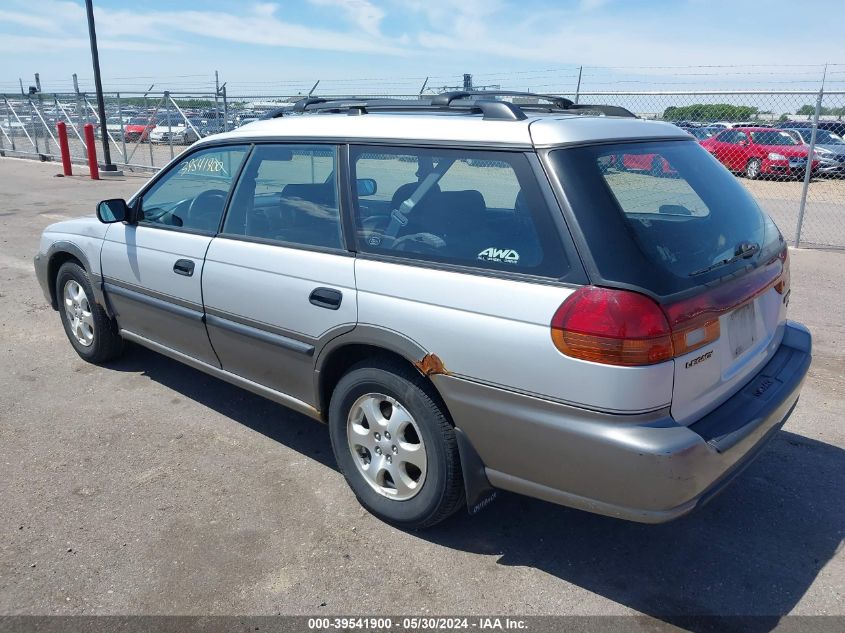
x=658, y=214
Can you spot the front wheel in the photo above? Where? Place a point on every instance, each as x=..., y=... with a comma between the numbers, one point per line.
x=89, y=329
x=753, y=169
x=394, y=444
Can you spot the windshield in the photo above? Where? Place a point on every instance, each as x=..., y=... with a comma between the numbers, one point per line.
x=664, y=216
x=773, y=137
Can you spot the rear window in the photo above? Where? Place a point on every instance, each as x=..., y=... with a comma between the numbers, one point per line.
x=663, y=216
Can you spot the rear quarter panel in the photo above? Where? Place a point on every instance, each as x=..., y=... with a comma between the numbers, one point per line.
x=496, y=331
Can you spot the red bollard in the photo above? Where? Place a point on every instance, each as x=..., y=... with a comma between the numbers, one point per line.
x=61, y=130
x=92, y=151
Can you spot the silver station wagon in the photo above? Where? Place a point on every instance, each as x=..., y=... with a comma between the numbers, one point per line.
x=475, y=291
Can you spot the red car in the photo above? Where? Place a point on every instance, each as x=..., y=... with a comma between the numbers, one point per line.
x=138, y=129
x=652, y=163
x=759, y=151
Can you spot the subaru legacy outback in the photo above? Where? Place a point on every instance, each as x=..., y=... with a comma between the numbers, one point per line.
x=475, y=295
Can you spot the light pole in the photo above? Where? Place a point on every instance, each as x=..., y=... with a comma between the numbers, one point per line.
x=98, y=85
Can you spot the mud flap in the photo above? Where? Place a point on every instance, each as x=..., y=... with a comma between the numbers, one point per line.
x=479, y=492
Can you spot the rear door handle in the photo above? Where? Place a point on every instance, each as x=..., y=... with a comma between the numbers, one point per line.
x=328, y=298
x=184, y=267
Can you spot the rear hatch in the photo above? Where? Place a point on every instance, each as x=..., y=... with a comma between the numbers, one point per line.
x=690, y=237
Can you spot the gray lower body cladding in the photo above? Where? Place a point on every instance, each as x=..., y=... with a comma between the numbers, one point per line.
x=644, y=468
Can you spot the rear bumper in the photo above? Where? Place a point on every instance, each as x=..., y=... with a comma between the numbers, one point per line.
x=644, y=468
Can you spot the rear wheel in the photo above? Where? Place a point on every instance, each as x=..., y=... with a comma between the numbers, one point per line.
x=89, y=329
x=753, y=169
x=394, y=444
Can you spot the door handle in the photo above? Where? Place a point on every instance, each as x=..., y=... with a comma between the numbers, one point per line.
x=184, y=267
x=328, y=298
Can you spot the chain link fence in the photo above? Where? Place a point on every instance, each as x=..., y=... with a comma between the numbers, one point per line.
x=786, y=147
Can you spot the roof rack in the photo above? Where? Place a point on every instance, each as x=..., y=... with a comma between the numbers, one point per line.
x=483, y=102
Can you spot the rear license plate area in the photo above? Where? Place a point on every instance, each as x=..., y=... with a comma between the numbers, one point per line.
x=742, y=331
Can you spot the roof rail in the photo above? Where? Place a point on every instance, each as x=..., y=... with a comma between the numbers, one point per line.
x=447, y=98
x=483, y=102
x=275, y=113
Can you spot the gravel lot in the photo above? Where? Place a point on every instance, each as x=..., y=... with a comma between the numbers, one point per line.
x=149, y=488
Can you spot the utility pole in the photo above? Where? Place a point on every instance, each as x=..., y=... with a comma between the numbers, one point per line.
x=98, y=85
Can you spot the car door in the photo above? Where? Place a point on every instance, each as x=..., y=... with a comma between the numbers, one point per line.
x=152, y=270
x=741, y=151
x=278, y=280
x=721, y=146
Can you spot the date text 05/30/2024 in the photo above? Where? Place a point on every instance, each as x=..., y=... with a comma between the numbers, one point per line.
x=432, y=623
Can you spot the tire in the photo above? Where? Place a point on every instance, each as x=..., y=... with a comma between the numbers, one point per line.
x=92, y=333
x=389, y=392
x=753, y=169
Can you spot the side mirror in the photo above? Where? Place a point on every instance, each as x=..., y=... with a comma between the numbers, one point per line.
x=367, y=187
x=114, y=210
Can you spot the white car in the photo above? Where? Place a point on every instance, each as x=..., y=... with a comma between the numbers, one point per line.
x=181, y=134
x=469, y=292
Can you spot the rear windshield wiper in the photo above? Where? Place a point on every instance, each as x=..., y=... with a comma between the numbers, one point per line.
x=743, y=250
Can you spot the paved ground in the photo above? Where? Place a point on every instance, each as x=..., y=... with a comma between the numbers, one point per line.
x=148, y=487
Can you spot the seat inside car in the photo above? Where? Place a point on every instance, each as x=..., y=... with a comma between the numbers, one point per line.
x=310, y=214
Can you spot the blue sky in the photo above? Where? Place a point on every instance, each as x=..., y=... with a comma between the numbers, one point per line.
x=392, y=45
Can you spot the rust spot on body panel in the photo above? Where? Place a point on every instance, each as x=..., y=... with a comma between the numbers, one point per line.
x=431, y=364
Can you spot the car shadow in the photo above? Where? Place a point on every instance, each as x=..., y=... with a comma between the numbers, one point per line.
x=283, y=425
x=739, y=563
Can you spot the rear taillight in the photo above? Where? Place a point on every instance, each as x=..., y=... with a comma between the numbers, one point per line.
x=615, y=327
x=621, y=327
x=782, y=284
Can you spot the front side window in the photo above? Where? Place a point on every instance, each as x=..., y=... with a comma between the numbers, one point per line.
x=288, y=193
x=473, y=208
x=192, y=194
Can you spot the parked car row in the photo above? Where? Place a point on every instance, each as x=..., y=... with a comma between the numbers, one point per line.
x=754, y=152
x=758, y=152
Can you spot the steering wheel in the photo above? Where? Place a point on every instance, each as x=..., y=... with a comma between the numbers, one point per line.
x=422, y=243
x=207, y=207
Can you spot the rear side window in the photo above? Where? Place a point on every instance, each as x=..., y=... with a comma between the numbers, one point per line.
x=471, y=208
x=664, y=216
